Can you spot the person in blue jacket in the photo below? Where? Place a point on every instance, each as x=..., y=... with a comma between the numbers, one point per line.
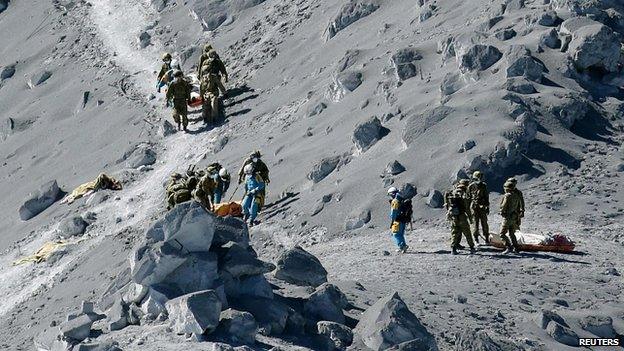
x=254, y=184
x=400, y=209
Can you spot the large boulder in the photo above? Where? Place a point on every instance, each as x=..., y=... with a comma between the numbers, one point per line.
x=478, y=58
x=189, y=227
x=198, y=272
x=197, y=313
x=76, y=329
x=326, y=303
x=601, y=326
x=38, y=201
x=297, y=266
x=156, y=297
x=240, y=327
x=238, y=261
x=271, y=314
x=389, y=322
x=324, y=168
x=340, y=335
x=562, y=334
x=139, y=155
x=117, y=316
x=230, y=229
x=367, y=133
x=520, y=63
x=404, y=62
x=595, y=46
x=349, y=13
x=152, y=263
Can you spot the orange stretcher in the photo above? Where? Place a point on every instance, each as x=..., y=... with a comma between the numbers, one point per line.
x=233, y=208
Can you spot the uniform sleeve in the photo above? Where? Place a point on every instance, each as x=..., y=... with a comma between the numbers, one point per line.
x=222, y=68
x=199, y=66
x=486, y=195
x=170, y=92
x=504, y=205
x=394, y=209
x=162, y=72
x=521, y=197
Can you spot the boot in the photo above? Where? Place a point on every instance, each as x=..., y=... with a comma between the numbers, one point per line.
x=473, y=250
x=179, y=127
x=460, y=247
x=516, y=249
x=454, y=251
x=508, y=251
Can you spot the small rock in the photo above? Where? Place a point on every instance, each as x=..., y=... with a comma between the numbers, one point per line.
x=408, y=191
x=117, y=316
x=37, y=202
x=461, y=298
x=394, y=168
x=144, y=40
x=544, y=317
x=435, y=199
x=404, y=62
x=71, y=226
x=326, y=303
x=467, y=145
x=451, y=83
x=39, y=78
x=339, y=334
x=348, y=14
x=505, y=34
x=551, y=39
x=140, y=155
x=166, y=129
x=479, y=57
x=519, y=85
x=317, y=109
x=196, y=313
x=520, y=63
x=601, y=326
x=7, y=71
x=358, y=220
x=76, y=329
x=548, y=19
x=240, y=327
x=366, y=134
x=324, y=168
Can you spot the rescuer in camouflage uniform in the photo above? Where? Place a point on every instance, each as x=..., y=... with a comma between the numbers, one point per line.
x=180, y=92
x=510, y=208
x=459, y=215
x=480, y=206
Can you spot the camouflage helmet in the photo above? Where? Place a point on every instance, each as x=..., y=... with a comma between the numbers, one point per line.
x=512, y=180
x=176, y=175
x=177, y=73
x=207, y=48
x=255, y=154
x=212, y=54
x=166, y=56
x=509, y=185
x=477, y=175
x=464, y=182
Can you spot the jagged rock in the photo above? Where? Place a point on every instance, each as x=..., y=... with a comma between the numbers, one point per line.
x=425, y=13
x=562, y=334
x=339, y=334
x=418, y=124
x=514, y=5
x=7, y=71
x=135, y=293
x=152, y=263
x=520, y=63
x=467, y=145
x=230, y=229
x=478, y=58
x=548, y=19
x=551, y=39
x=343, y=84
x=519, y=85
x=601, y=326
x=451, y=83
x=269, y=313
x=349, y=59
x=326, y=304
x=367, y=133
x=389, y=322
x=156, y=298
x=37, y=202
x=544, y=317
x=317, y=109
x=299, y=267
x=595, y=46
x=348, y=14
x=196, y=313
x=404, y=62
x=189, y=227
x=435, y=199
x=238, y=261
x=139, y=155
x=144, y=40
x=255, y=285
x=357, y=219
x=394, y=168
x=240, y=327
x=76, y=329
x=166, y=129
x=324, y=168
x=505, y=34
x=408, y=191
x=480, y=340
x=489, y=23
x=570, y=109
x=71, y=226
x=39, y=78
x=572, y=24
x=197, y=273
x=117, y=316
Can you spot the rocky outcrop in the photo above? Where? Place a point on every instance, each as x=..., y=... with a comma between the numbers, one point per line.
x=38, y=201
x=595, y=46
x=299, y=267
x=404, y=63
x=479, y=58
x=348, y=14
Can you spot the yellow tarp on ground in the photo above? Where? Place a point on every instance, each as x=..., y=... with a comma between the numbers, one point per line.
x=233, y=208
x=43, y=253
x=103, y=181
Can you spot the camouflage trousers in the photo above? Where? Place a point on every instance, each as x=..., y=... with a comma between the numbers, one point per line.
x=480, y=218
x=180, y=112
x=508, y=231
x=459, y=226
x=210, y=108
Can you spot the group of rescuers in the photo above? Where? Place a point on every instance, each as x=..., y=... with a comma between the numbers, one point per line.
x=208, y=186
x=211, y=74
x=467, y=202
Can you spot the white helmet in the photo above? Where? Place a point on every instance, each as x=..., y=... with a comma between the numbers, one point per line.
x=392, y=191
x=223, y=173
x=248, y=169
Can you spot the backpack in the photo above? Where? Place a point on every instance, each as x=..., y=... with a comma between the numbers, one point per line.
x=405, y=211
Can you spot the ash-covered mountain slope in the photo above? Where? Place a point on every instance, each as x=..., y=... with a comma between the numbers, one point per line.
x=343, y=99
